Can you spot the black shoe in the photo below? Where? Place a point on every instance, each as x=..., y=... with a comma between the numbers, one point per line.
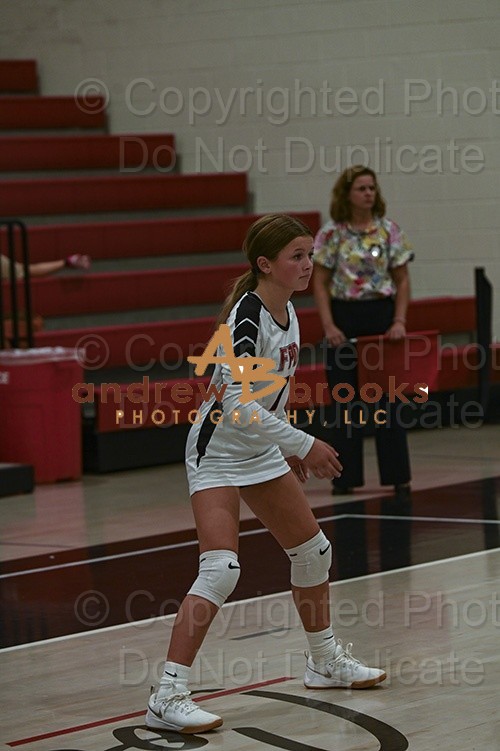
x=402, y=492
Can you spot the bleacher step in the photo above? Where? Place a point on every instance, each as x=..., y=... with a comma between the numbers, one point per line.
x=127, y=152
x=130, y=317
x=18, y=76
x=34, y=112
x=21, y=198
x=140, y=235
x=116, y=217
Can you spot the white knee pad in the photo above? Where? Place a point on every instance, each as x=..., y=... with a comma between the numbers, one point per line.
x=217, y=577
x=311, y=561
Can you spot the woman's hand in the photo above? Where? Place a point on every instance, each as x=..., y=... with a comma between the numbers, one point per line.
x=334, y=335
x=298, y=468
x=322, y=460
x=397, y=331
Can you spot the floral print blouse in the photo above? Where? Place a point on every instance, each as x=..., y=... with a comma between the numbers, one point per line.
x=360, y=260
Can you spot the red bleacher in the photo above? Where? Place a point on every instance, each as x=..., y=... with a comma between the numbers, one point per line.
x=169, y=341
x=140, y=344
x=50, y=112
x=133, y=344
x=151, y=237
x=18, y=76
x=81, y=195
x=457, y=370
x=124, y=151
x=449, y=315
x=119, y=291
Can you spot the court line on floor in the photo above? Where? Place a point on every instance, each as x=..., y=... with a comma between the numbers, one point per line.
x=120, y=718
x=35, y=545
x=159, y=618
x=443, y=519
x=246, y=533
x=129, y=554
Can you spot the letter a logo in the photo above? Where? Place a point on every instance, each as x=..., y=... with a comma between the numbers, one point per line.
x=244, y=370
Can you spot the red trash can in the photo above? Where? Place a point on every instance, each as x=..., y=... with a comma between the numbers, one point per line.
x=40, y=423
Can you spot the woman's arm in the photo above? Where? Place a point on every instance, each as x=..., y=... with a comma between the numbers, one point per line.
x=401, y=279
x=321, y=292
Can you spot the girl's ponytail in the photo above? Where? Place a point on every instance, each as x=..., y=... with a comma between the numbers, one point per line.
x=245, y=283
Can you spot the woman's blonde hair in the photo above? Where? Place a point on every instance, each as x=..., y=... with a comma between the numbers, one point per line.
x=340, y=206
x=266, y=237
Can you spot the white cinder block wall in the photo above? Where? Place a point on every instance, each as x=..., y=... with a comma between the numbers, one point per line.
x=291, y=89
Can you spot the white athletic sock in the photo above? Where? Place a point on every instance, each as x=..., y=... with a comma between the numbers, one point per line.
x=175, y=672
x=321, y=644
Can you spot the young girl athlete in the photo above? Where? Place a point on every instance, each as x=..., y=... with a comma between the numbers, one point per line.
x=259, y=457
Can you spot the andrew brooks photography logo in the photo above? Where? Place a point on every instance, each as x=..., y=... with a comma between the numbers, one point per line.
x=166, y=397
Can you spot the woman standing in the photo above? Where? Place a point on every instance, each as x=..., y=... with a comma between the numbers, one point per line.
x=362, y=288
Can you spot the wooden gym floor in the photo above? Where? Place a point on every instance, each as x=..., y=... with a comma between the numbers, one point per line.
x=91, y=572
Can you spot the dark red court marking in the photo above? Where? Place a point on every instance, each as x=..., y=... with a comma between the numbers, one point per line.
x=130, y=716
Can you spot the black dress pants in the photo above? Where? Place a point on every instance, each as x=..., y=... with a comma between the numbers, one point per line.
x=363, y=318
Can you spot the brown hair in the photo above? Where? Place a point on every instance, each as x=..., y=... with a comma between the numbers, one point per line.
x=340, y=206
x=266, y=237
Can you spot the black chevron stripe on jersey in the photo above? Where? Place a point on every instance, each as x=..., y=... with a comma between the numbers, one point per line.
x=246, y=325
x=280, y=394
x=206, y=432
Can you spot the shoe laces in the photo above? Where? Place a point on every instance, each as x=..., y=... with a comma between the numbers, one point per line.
x=180, y=701
x=345, y=655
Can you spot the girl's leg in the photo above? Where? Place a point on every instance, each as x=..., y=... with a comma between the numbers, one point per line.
x=45, y=268
x=282, y=507
x=216, y=513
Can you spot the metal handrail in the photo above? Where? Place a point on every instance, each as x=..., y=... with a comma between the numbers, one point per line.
x=11, y=225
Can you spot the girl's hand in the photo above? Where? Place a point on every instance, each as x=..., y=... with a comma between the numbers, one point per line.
x=322, y=460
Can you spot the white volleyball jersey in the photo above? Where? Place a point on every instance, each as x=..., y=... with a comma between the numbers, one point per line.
x=242, y=444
